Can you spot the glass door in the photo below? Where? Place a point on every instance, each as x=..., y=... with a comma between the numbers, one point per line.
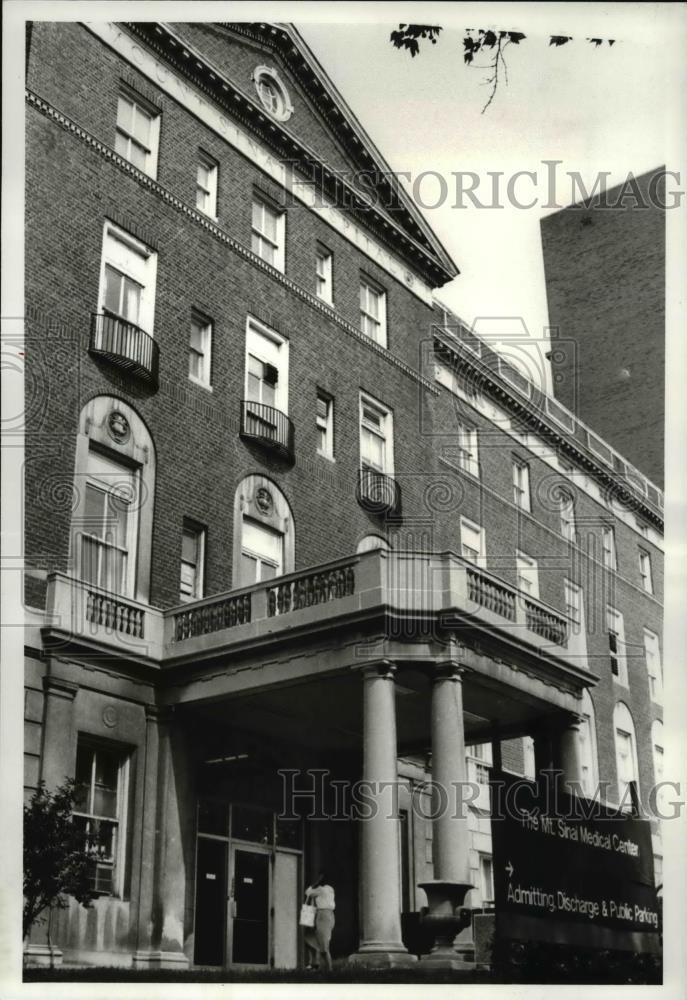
x=249, y=908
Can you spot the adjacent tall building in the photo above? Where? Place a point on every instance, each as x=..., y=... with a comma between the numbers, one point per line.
x=289, y=524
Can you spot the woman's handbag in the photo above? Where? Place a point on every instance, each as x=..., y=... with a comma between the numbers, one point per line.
x=307, y=918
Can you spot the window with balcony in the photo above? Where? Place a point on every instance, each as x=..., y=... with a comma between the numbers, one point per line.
x=265, y=405
x=206, y=185
x=324, y=422
x=645, y=571
x=467, y=449
x=527, y=573
x=652, y=654
x=138, y=131
x=625, y=752
x=200, y=350
x=377, y=486
x=323, y=275
x=521, y=484
x=262, y=553
x=616, y=645
x=373, y=311
x=192, y=569
x=608, y=547
x=472, y=542
x=268, y=233
x=100, y=807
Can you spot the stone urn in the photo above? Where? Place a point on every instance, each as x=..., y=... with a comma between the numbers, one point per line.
x=445, y=920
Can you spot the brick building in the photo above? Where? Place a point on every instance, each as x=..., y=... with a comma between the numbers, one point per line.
x=605, y=280
x=286, y=515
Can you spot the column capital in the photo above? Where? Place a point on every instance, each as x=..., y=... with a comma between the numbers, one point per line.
x=159, y=713
x=381, y=668
x=60, y=688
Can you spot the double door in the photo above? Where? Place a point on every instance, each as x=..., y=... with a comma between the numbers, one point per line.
x=247, y=900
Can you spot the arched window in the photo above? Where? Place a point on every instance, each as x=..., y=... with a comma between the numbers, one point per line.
x=657, y=751
x=114, y=484
x=264, y=540
x=625, y=752
x=588, y=754
x=371, y=542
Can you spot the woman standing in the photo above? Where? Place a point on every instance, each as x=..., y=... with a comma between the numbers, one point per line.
x=320, y=895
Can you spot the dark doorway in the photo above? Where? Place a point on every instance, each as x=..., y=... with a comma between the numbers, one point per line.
x=211, y=902
x=250, y=940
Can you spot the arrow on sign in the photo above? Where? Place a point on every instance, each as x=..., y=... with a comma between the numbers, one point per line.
x=510, y=869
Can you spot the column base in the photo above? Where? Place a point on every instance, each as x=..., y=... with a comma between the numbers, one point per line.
x=382, y=955
x=447, y=958
x=160, y=960
x=44, y=956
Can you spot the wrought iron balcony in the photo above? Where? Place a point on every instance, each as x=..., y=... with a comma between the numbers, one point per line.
x=267, y=426
x=125, y=345
x=378, y=493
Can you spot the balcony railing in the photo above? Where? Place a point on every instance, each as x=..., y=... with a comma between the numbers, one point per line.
x=125, y=345
x=268, y=426
x=378, y=493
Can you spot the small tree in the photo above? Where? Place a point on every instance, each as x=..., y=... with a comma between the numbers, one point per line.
x=57, y=853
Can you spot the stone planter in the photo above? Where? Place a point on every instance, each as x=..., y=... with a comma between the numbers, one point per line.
x=445, y=920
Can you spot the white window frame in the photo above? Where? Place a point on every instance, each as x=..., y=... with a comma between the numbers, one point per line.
x=486, y=878
x=645, y=571
x=260, y=558
x=210, y=192
x=471, y=526
x=654, y=669
x=198, y=532
x=657, y=755
x=110, y=482
x=468, y=456
x=623, y=725
x=151, y=151
x=574, y=606
x=205, y=354
x=259, y=237
x=610, y=556
x=479, y=758
x=325, y=424
x=324, y=285
x=521, y=485
x=384, y=432
x=271, y=348
x=527, y=570
x=127, y=255
x=373, y=326
x=117, y=860
x=615, y=624
x=588, y=750
x=567, y=516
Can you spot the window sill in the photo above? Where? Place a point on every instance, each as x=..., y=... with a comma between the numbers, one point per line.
x=202, y=385
x=322, y=454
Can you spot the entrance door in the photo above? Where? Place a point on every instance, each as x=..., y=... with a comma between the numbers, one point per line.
x=250, y=934
x=211, y=902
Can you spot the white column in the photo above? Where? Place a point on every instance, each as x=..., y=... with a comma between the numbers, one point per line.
x=570, y=755
x=451, y=835
x=379, y=889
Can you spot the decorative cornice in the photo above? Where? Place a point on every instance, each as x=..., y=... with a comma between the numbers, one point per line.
x=463, y=359
x=107, y=153
x=187, y=60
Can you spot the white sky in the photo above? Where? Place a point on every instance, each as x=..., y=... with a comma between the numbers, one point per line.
x=595, y=110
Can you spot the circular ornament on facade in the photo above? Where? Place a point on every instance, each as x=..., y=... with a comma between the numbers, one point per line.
x=263, y=500
x=273, y=95
x=110, y=716
x=118, y=427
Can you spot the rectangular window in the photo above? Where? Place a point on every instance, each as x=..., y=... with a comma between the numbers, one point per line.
x=608, y=547
x=567, y=511
x=652, y=653
x=373, y=312
x=206, y=185
x=573, y=606
x=324, y=420
x=192, y=562
x=102, y=776
x=376, y=436
x=323, y=275
x=479, y=759
x=200, y=349
x=472, y=543
x=616, y=645
x=486, y=875
x=467, y=449
x=625, y=762
x=267, y=368
x=521, y=484
x=645, y=571
x=109, y=528
x=268, y=234
x=138, y=131
x=527, y=574
x=262, y=553
x=127, y=280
